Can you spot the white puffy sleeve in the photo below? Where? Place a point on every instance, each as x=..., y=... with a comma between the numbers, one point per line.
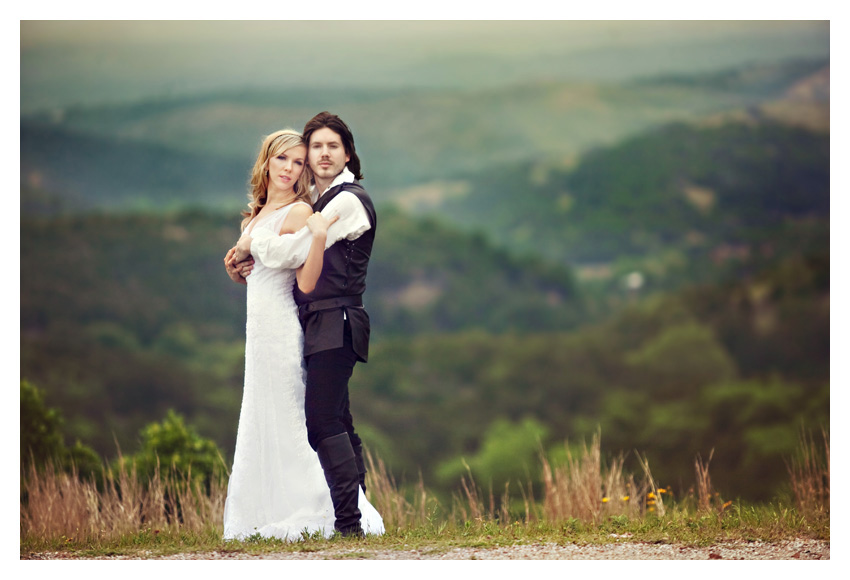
x=353, y=220
x=290, y=250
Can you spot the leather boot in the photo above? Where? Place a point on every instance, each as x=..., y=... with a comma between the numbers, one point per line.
x=361, y=465
x=338, y=462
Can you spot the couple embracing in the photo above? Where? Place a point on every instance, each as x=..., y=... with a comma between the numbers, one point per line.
x=304, y=251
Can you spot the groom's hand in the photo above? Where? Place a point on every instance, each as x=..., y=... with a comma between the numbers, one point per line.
x=237, y=270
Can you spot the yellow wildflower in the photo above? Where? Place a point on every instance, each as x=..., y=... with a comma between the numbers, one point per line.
x=604, y=500
x=626, y=498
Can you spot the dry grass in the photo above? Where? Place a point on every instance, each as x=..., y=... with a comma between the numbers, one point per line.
x=810, y=475
x=581, y=489
x=708, y=500
x=470, y=506
x=383, y=493
x=61, y=505
x=705, y=491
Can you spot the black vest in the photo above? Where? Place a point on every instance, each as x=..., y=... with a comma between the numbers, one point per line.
x=339, y=290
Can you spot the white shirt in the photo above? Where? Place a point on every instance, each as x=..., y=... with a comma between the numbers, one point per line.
x=290, y=250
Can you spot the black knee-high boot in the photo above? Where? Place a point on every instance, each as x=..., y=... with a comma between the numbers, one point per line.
x=361, y=465
x=340, y=466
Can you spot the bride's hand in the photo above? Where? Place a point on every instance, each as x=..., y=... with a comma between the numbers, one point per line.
x=243, y=249
x=319, y=224
x=237, y=271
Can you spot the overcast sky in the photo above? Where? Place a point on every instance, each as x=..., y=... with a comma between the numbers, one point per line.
x=489, y=35
x=70, y=62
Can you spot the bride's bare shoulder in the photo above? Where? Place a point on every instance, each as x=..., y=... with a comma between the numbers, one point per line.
x=296, y=218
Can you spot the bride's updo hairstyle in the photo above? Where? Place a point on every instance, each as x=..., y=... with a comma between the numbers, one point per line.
x=274, y=145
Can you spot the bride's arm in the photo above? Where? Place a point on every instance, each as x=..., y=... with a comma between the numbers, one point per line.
x=308, y=275
x=287, y=251
x=237, y=271
x=290, y=250
x=295, y=219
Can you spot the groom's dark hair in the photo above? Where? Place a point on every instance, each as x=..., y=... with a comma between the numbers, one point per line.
x=335, y=124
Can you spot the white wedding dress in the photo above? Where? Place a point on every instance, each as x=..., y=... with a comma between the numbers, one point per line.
x=277, y=488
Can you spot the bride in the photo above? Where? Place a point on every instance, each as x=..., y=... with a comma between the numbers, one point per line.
x=277, y=488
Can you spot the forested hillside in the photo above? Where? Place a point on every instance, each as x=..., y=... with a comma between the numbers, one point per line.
x=67, y=171
x=169, y=151
x=117, y=334
x=685, y=187
x=739, y=368
x=137, y=311
x=532, y=281
x=477, y=354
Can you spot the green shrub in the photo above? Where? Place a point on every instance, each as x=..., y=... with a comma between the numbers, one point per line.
x=42, y=440
x=509, y=453
x=41, y=435
x=173, y=446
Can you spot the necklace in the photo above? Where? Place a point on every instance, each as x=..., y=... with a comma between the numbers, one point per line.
x=280, y=205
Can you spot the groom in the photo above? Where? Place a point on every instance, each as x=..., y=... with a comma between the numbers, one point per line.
x=336, y=326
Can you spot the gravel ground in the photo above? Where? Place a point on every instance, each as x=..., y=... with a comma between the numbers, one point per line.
x=739, y=550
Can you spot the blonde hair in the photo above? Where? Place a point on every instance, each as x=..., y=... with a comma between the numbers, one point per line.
x=273, y=145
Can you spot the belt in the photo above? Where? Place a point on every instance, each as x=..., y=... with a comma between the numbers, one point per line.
x=330, y=304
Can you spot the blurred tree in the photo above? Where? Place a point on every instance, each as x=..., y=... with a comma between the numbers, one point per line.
x=179, y=340
x=509, y=453
x=754, y=427
x=680, y=360
x=41, y=436
x=42, y=441
x=85, y=461
x=172, y=444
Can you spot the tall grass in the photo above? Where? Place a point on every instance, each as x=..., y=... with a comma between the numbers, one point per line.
x=810, y=476
x=395, y=508
x=56, y=504
x=581, y=490
x=471, y=504
x=705, y=490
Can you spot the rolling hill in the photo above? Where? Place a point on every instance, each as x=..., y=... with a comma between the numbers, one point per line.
x=679, y=186
x=171, y=151
x=573, y=254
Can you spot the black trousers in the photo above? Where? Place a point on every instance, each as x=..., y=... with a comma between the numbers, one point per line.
x=326, y=400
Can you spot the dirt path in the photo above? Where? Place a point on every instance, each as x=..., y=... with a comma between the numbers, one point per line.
x=739, y=550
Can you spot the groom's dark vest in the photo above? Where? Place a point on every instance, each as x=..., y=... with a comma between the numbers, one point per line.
x=338, y=293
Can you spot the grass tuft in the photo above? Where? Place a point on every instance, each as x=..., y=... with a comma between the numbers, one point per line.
x=810, y=477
